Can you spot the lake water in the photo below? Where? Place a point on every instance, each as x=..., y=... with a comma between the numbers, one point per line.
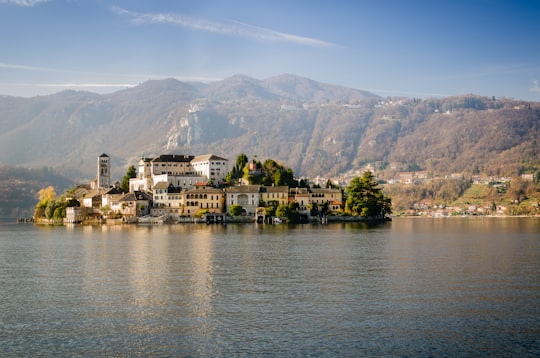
x=410, y=288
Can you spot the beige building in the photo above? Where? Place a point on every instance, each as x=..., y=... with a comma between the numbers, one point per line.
x=167, y=200
x=305, y=197
x=202, y=197
x=326, y=195
x=276, y=194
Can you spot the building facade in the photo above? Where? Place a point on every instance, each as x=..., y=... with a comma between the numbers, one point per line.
x=247, y=196
x=103, y=177
x=179, y=170
x=211, y=166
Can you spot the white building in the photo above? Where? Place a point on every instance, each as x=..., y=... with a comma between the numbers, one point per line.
x=211, y=166
x=184, y=181
x=247, y=196
x=178, y=170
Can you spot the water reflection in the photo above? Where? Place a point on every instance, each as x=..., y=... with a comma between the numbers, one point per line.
x=407, y=288
x=450, y=270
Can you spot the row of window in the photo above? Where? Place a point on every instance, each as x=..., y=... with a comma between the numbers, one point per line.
x=188, y=196
x=267, y=196
x=321, y=195
x=212, y=163
x=191, y=203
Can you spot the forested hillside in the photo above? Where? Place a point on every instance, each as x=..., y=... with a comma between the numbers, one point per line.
x=311, y=127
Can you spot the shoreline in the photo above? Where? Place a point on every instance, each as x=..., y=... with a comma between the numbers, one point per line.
x=250, y=220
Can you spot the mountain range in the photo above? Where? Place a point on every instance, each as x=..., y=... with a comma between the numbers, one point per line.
x=312, y=127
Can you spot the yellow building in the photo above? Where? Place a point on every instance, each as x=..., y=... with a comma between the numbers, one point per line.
x=202, y=197
x=274, y=194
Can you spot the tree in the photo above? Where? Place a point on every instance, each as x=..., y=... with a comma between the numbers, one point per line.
x=282, y=211
x=238, y=170
x=236, y=210
x=51, y=209
x=131, y=173
x=241, y=161
x=45, y=195
x=289, y=211
x=365, y=197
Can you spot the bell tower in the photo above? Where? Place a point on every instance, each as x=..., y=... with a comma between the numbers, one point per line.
x=104, y=171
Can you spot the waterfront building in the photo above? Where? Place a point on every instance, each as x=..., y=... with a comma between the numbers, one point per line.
x=247, y=196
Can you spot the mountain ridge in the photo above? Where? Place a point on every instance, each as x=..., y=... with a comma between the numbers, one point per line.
x=317, y=129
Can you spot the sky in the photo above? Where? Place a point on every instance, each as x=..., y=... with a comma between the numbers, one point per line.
x=412, y=48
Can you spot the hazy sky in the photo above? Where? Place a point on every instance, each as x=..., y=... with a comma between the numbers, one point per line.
x=418, y=48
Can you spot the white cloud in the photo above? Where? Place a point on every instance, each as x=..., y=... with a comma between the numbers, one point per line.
x=29, y=68
x=84, y=85
x=26, y=3
x=225, y=28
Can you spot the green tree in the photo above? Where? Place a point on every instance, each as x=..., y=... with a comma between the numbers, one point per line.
x=72, y=202
x=51, y=207
x=282, y=211
x=313, y=209
x=241, y=161
x=238, y=170
x=270, y=210
x=59, y=212
x=289, y=211
x=131, y=173
x=236, y=210
x=365, y=197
